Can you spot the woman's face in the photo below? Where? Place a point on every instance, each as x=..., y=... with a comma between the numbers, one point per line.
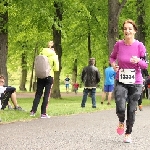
x=128, y=31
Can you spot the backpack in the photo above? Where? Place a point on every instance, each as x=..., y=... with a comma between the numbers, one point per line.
x=42, y=66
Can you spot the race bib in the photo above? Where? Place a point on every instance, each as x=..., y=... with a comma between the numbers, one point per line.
x=127, y=76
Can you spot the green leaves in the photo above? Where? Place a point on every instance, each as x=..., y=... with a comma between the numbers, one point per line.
x=30, y=26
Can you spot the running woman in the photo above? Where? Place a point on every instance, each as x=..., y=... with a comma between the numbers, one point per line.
x=129, y=54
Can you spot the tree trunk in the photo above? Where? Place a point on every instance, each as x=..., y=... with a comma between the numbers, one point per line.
x=56, y=90
x=55, y=93
x=24, y=73
x=140, y=35
x=33, y=83
x=3, y=45
x=114, y=9
x=74, y=72
x=89, y=44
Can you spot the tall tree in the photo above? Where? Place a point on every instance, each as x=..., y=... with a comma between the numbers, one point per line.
x=74, y=71
x=57, y=40
x=28, y=33
x=114, y=10
x=141, y=27
x=3, y=39
x=141, y=20
x=85, y=32
x=24, y=72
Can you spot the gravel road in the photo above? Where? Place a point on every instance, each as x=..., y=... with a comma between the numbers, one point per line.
x=89, y=131
x=63, y=94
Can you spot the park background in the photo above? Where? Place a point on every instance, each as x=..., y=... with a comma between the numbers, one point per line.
x=80, y=29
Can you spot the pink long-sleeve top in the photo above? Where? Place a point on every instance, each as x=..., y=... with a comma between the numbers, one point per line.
x=122, y=54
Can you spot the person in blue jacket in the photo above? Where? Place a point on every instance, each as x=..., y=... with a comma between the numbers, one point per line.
x=110, y=74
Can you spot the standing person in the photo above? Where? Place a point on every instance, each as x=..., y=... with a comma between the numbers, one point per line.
x=45, y=83
x=145, y=77
x=90, y=77
x=141, y=97
x=76, y=86
x=67, y=82
x=148, y=86
x=140, y=102
x=109, y=83
x=130, y=56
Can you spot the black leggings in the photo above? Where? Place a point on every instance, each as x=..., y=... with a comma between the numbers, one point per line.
x=4, y=99
x=127, y=95
x=140, y=100
x=42, y=85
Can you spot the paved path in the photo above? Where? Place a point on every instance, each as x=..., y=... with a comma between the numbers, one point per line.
x=63, y=94
x=91, y=131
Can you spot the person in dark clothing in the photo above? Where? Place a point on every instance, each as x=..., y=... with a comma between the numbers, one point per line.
x=90, y=77
x=44, y=85
x=140, y=102
x=7, y=92
x=140, y=99
x=145, y=76
x=144, y=89
x=145, y=92
x=148, y=86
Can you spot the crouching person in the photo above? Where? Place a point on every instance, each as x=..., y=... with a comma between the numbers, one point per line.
x=7, y=92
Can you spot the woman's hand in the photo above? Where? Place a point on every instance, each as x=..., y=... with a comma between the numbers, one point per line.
x=134, y=59
x=115, y=66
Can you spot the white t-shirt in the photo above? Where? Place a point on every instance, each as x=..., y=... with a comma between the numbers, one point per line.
x=2, y=89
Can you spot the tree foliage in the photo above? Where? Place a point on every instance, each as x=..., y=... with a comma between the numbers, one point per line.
x=84, y=31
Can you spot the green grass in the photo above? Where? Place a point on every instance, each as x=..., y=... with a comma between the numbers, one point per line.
x=57, y=107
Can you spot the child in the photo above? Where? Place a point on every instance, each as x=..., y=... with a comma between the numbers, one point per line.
x=76, y=85
x=67, y=82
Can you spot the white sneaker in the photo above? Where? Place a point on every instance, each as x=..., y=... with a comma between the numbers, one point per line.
x=43, y=116
x=127, y=138
x=32, y=114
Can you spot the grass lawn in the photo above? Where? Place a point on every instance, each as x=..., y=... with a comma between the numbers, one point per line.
x=57, y=107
